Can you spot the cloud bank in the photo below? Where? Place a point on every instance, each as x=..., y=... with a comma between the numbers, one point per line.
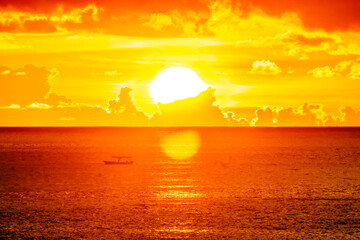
x=26, y=99
x=306, y=115
x=188, y=16
x=198, y=111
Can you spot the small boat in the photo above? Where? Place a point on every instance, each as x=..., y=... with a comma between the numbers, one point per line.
x=120, y=161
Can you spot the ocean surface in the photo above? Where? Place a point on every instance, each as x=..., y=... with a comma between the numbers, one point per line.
x=197, y=183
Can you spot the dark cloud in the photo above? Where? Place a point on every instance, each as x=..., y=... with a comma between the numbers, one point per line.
x=114, y=16
x=73, y=19
x=43, y=6
x=329, y=15
x=43, y=26
x=114, y=6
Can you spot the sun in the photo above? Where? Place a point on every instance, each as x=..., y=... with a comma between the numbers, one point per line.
x=175, y=83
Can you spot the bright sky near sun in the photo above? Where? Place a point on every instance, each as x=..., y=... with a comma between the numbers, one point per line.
x=272, y=62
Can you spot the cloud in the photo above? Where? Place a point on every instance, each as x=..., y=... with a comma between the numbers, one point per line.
x=332, y=121
x=113, y=6
x=147, y=19
x=308, y=40
x=306, y=115
x=247, y=113
x=264, y=117
x=265, y=67
x=24, y=89
x=350, y=117
x=349, y=49
x=300, y=43
x=355, y=70
x=45, y=6
x=291, y=42
x=122, y=111
x=334, y=15
x=191, y=23
x=178, y=18
x=231, y=21
x=320, y=72
x=349, y=68
x=54, y=99
x=125, y=109
x=196, y=111
x=27, y=99
x=39, y=105
x=12, y=106
x=235, y=121
x=27, y=86
x=59, y=20
x=31, y=95
x=342, y=66
x=158, y=21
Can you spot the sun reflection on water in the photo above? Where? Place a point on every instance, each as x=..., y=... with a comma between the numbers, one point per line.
x=177, y=194
x=181, y=229
x=181, y=145
x=177, y=185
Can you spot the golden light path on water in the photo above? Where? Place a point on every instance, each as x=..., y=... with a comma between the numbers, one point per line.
x=177, y=185
x=181, y=145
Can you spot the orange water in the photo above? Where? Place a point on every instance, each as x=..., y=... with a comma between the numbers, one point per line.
x=232, y=183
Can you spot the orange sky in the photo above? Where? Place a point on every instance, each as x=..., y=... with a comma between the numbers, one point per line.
x=270, y=63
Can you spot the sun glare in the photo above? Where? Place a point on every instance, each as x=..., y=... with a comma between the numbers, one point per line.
x=176, y=83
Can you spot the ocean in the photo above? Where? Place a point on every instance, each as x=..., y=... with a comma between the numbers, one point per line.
x=197, y=183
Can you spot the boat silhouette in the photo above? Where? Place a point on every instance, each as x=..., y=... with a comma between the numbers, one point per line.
x=120, y=160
